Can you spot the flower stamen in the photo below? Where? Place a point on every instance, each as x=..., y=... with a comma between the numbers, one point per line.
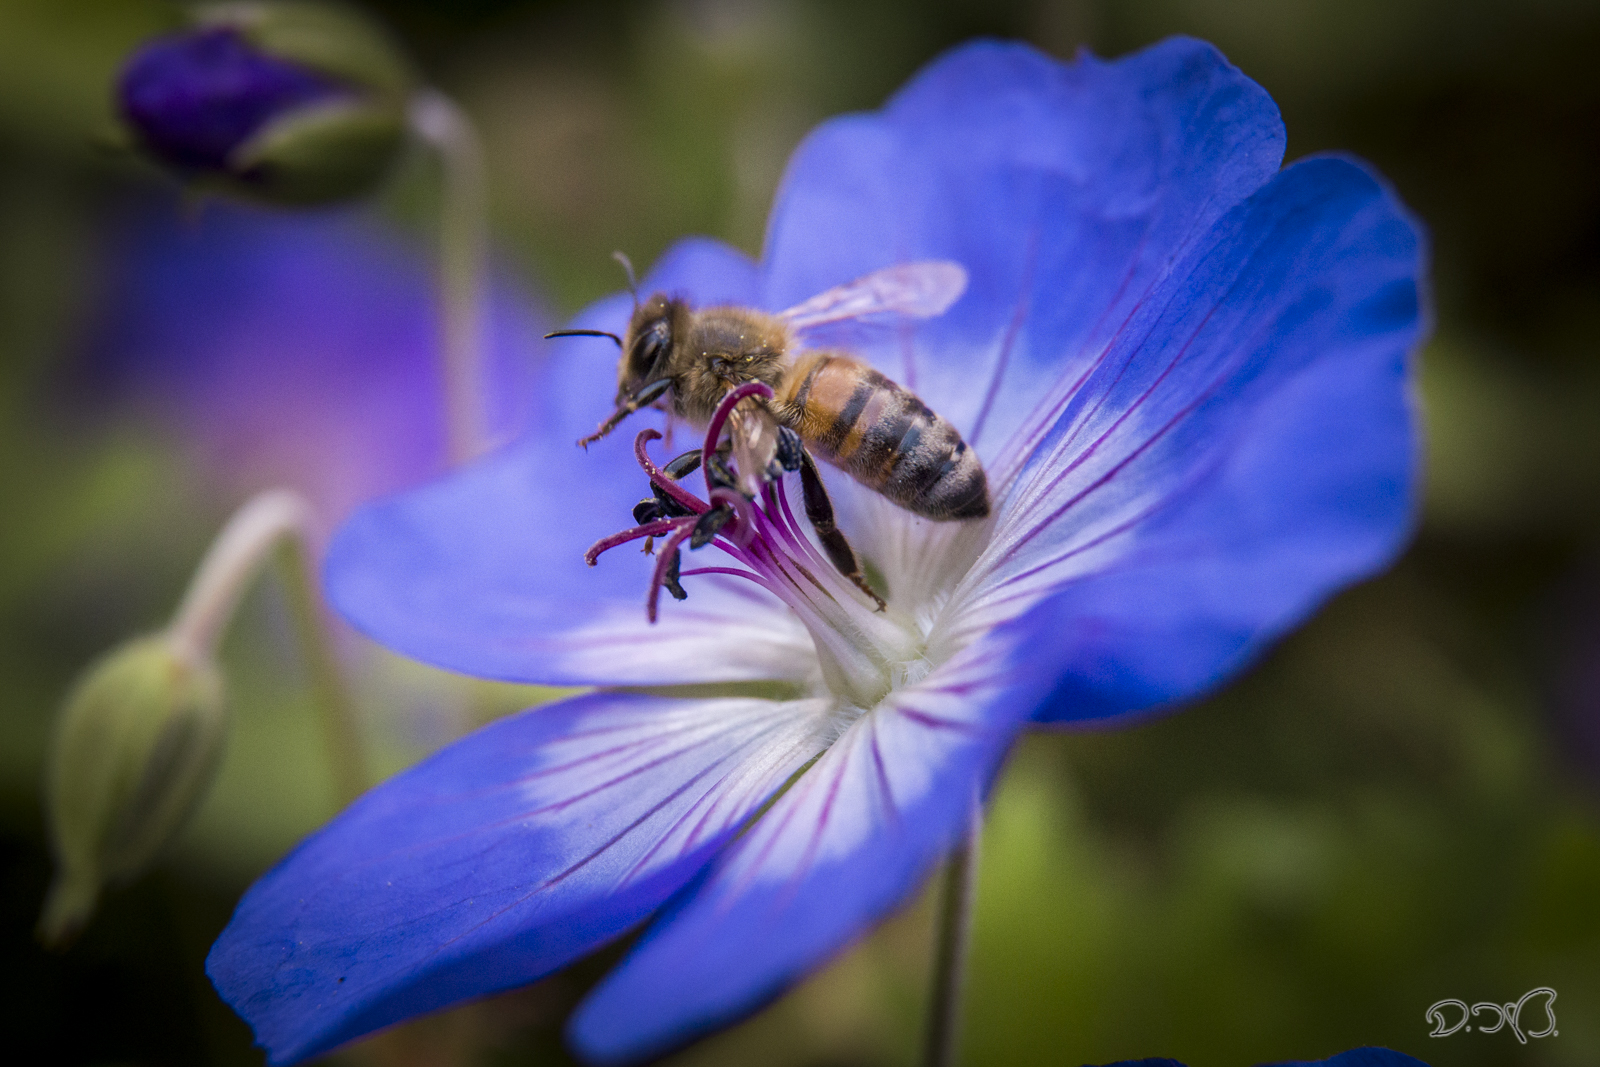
x=720, y=416
x=660, y=479
x=649, y=529
x=857, y=647
x=664, y=561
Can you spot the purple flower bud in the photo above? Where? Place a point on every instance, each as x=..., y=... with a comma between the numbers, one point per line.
x=195, y=97
x=284, y=101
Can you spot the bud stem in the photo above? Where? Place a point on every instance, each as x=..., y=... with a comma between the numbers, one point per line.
x=328, y=687
x=951, y=937
x=276, y=519
x=230, y=564
x=463, y=242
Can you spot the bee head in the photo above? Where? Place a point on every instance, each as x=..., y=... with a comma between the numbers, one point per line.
x=648, y=344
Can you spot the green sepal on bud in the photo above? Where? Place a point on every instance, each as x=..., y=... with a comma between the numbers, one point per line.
x=285, y=101
x=328, y=37
x=318, y=155
x=136, y=747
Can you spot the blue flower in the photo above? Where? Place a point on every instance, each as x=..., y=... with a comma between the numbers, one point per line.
x=1187, y=373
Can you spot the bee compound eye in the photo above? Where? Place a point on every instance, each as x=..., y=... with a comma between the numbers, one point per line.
x=651, y=345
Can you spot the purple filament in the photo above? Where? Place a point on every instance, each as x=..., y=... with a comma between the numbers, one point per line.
x=720, y=416
x=765, y=540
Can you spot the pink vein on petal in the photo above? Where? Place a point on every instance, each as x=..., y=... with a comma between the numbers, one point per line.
x=1018, y=315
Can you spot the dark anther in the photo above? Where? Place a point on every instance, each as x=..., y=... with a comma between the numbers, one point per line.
x=668, y=508
x=671, y=579
x=664, y=506
x=720, y=474
x=683, y=465
x=709, y=525
x=647, y=510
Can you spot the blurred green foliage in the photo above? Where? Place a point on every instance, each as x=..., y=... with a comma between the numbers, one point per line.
x=1388, y=811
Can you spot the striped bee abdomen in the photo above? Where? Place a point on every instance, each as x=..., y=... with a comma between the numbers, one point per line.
x=883, y=436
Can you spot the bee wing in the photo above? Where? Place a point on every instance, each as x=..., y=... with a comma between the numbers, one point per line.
x=920, y=290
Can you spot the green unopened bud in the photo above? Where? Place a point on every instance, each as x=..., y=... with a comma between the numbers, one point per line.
x=135, y=749
x=280, y=100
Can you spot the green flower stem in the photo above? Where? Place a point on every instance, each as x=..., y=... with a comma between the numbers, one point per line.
x=328, y=688
x=276, y=520
x=463, y=244
x=950, y=947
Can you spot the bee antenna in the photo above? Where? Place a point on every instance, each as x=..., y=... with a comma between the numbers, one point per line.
x=584, y=333
x=633, y=282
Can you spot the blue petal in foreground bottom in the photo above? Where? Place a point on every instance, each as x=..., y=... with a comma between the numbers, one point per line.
x=501, y=858
x=834, y=854
x=1358, y=1057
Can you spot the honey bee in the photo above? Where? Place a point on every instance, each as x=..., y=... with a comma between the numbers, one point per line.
x=824, y=402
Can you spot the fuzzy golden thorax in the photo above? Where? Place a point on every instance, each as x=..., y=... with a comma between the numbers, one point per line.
x=703, y=353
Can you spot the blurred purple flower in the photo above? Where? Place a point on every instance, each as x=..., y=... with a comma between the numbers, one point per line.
x=297, y=350
x=1187, y=373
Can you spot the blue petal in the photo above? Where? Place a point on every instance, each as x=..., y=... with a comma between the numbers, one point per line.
x=1358, y=1057
x=1246, y=446
x=834, y=854
x=505, y=856
x=483, y=572
x=1067, y=191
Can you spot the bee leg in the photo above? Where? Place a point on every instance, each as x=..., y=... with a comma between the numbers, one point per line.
x=819, y=509
x=643, y=398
